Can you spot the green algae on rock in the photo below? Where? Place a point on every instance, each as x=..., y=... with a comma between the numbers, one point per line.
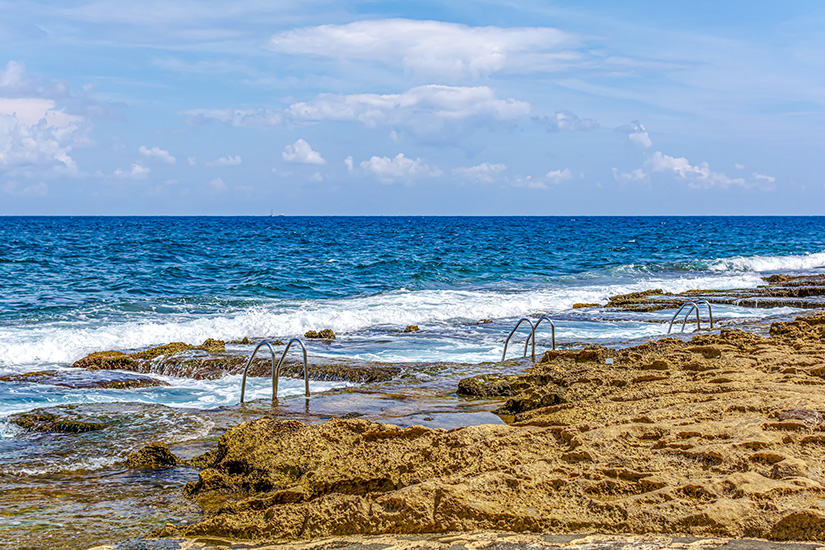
x=153, y=456
x=44, y=421
x=82, y=379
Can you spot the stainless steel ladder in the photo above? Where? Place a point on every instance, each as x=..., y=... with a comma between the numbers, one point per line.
x=276, y=370
x=533, y=328
x=693, y=306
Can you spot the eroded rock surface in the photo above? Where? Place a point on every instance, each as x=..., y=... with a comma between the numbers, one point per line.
x=719, y=436
x=806, y=291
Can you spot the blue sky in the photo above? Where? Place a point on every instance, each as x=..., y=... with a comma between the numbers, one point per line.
x=400, y=108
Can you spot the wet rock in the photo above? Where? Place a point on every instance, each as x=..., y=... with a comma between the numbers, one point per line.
x=496, y=385
x=153, y=456
x=44, y=421
x=83, y=379
x=782, y=291
x=166, y=349
x=326, y=334
x=107, y=360
x=411, y=328
x=585, y=305
x=213, y=346
x=484, y=321
x=533, y=398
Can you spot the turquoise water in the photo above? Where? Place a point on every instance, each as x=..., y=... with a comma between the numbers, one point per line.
x=72, y=286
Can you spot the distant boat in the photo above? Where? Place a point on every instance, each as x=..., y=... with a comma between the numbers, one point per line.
x=271, y=213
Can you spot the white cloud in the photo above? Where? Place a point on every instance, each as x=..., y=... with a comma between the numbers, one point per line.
x=226, y=161
x=424, y=110
x=739, y=166
x=301, y=152
x=217, y=185
x=558, y=176
x=157, y=153
x=637, y=133
x=420, y=105
x=192, y=161
x=551, y=178
x=434, y=48
x=348, y=164
x=482, y=173
x=763, y=177
x=137, y=172
x=565, y=121
x=700, y=176
x=634, y=175
x=389, y=170
x=35, y=136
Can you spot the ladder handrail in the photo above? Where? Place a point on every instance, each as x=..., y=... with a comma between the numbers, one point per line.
x=276, y=370
x=248, y=363
x=693, y=306
x=533, y=336
x=710, y=310
x=512, y=332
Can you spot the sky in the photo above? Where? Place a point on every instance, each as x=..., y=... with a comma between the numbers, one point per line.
x=498, y=107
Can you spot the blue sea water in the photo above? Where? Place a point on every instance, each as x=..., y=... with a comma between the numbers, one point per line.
x=72, y=286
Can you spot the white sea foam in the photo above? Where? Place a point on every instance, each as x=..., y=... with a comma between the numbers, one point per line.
x=33, y=346
x=761, y=264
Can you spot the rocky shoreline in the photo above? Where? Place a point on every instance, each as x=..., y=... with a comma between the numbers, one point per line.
x=719, y=435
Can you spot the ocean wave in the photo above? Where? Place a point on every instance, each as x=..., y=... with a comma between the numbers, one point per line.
x=64, y=343
x=762, y=264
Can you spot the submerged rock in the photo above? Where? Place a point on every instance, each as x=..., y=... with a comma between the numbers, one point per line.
x=412, y=328
x=85, y=379
x=44, y=421
x=153, y=456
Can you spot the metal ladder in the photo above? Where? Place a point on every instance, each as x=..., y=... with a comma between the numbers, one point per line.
x=276, y=370
x=692, y=307
x=532, y=336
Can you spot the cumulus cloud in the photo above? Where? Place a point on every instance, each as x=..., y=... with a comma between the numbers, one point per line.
x=482, y=173
x=157, y=153
x=301, y=152
x=226, y=161
x=700, y=176
x=434, y=48
x=35, y=135
x=551, y=178
x=43, y=144
x=637, y=133
x=136, y=172
x=348, y=164
x=423, y=110
x=565, y=121
x=388, y=170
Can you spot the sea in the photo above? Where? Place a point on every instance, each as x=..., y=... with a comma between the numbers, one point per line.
x=70, y=286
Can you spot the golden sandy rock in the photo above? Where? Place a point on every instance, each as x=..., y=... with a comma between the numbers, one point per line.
x=719, y=436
